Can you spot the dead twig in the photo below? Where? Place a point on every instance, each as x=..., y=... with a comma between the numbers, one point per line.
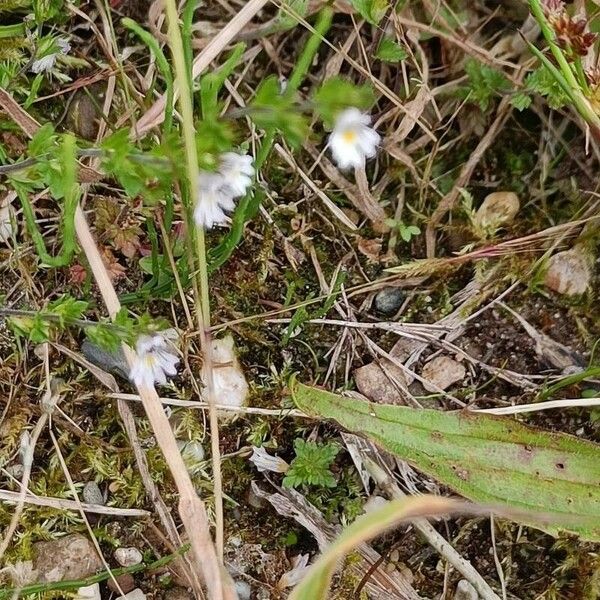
x=448, y=202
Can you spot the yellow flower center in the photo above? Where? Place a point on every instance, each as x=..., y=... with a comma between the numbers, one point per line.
x=349, y=136
x=149, y=360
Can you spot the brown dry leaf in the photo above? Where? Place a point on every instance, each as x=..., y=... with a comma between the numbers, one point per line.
x=127, y=240
x=77, y=274
x=371, y=248
x=114, y=268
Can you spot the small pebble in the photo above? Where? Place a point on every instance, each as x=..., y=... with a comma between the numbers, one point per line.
x=569, y=272
x=126, y=583
x=243, y=589
x=498, y=208
x=111, y=362
x=136, y=594
x=465, y=591
x=89, y=592
x=128, y=557
x=92, y=493
x=389, y=300
x=374, y=503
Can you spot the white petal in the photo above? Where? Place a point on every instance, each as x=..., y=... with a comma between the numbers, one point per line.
x=45, y=63
x=350, y=118
x=141, y=374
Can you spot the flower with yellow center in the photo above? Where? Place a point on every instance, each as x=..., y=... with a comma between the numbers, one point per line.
x=154, y=360
x=352, y=140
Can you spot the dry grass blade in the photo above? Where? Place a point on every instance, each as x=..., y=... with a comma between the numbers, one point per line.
x=155, y=115
x=62, y=504
x=381, y=585
x=315, y=584
x=191, y=509
x=448, y=202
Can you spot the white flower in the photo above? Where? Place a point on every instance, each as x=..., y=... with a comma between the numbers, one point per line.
x=217, y=190
x=63, y=45
x=44, y=64
x=352, y=139
x=214, y=198
x=153, y=362
x=237, y=171
x=47, y=61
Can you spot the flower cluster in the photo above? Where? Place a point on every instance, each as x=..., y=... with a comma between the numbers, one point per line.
x=352, y=141
x=571, y=34
x=154, y=360
x=217, y=190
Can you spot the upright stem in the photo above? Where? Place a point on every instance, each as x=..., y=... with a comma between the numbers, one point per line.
x=202, y=302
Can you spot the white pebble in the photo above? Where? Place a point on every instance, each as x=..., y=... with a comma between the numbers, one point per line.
x=128, y=557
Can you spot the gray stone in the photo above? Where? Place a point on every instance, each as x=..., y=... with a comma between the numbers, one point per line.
x=92, y=494
x=569, y=272
x=389, y=300
x=111, y=362
x=243, y=589
x=465, y=591
x=136, y=594
x=128, y=557
x=70, y=557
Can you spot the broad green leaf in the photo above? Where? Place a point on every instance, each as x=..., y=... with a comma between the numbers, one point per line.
x=486, y=459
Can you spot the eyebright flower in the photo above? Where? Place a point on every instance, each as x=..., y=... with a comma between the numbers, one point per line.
x=214, y=198
x=217, y=190
x=352, y=140
x=237, y=171
x=46, y=57
x=153, y=362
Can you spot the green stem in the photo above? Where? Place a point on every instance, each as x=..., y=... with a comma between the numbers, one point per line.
x=305, y=59
x=67, y=223
x=538, y=12
x=187, y=21
x=161, y=63
x=576, y=93
x=581, y=76
x=202, y=302
x=222, y=252
x=43, y=588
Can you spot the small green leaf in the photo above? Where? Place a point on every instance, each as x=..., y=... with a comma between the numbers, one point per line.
x=336, y=94
x=390, y=51
x=311, y=465
x=521, y=101
x=408, y=231
x=66, y=308
x=274, y=111
x=484, y=83
x=553, y=476
x=371, y=10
